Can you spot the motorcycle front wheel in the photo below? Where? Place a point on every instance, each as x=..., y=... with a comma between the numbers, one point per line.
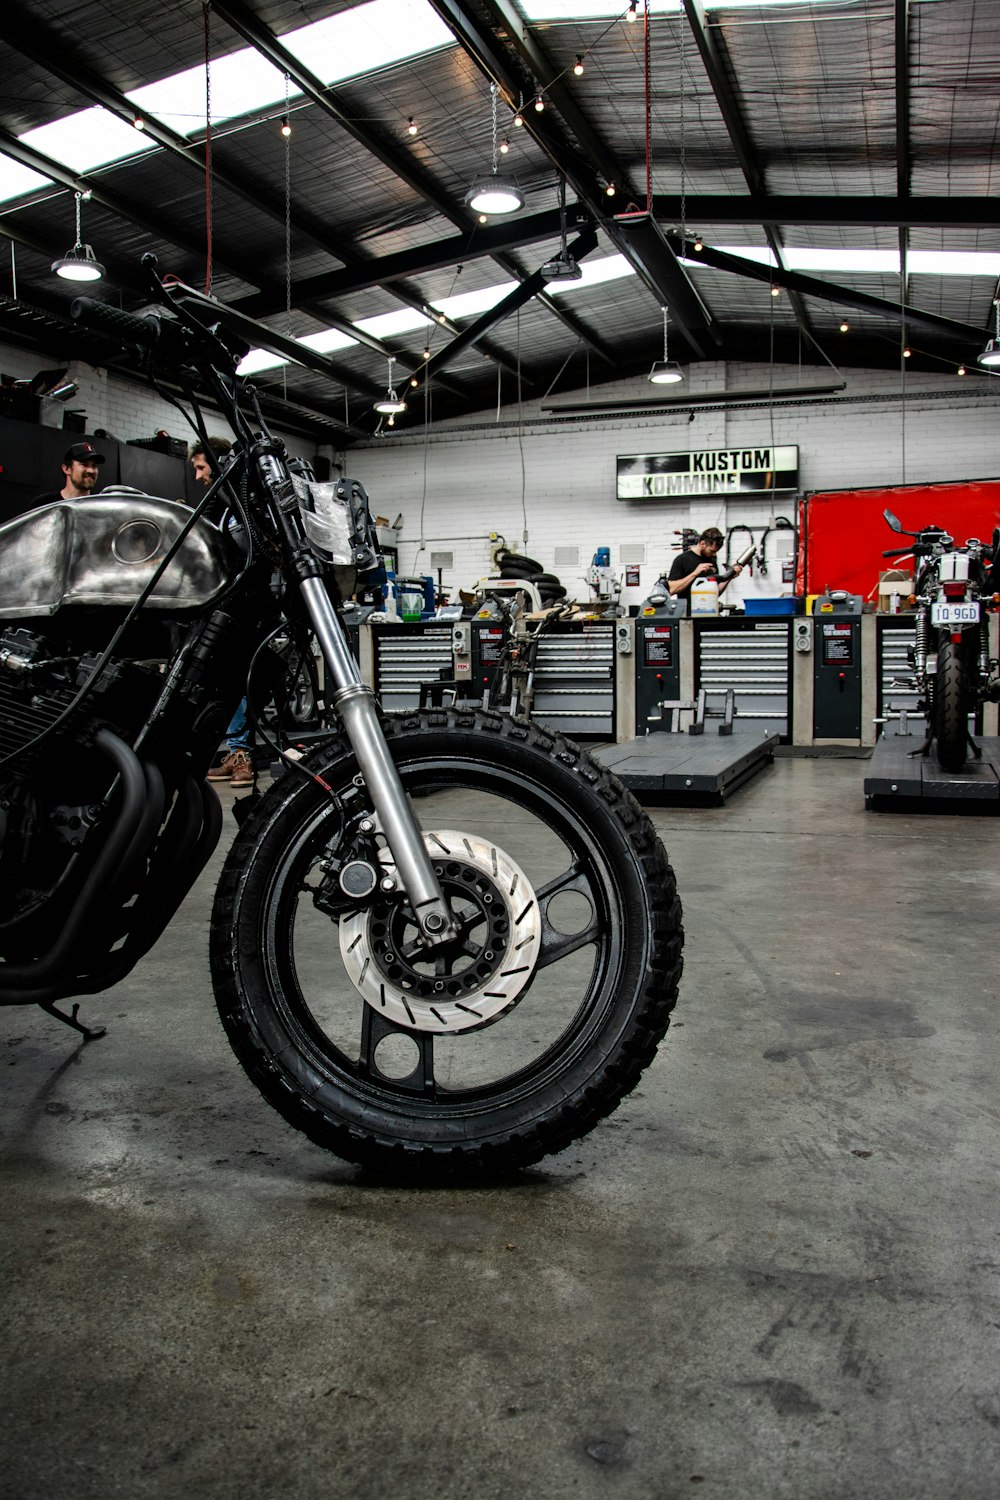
x=509, y=1042
x=951, y=705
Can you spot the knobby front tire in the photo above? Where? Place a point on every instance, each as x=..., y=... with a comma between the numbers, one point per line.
x=539, y=1064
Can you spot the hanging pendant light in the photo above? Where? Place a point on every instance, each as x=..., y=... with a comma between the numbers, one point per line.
x=666, y=371
x=390, y=405
x=80, y=263
x=990, y=356
x=491, y=193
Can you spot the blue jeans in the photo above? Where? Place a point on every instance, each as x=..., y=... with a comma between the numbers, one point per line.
x=238, y=733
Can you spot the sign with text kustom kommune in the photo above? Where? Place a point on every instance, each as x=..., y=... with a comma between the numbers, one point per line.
x=707, y=471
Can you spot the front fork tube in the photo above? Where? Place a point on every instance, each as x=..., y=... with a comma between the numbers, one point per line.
x=354, y=704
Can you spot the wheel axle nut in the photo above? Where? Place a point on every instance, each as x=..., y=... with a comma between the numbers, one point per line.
x=433, y=922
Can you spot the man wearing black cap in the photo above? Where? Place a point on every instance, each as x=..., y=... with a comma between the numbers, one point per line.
x=80, y=465
x=698, y=560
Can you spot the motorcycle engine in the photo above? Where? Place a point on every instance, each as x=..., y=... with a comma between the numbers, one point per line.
x=52, y=783
x=39, y=678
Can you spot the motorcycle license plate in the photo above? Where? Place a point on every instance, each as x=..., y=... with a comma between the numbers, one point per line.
x=955, y=614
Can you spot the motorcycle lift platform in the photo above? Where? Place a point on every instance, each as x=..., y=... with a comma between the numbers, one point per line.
x=694, y=764
x=895, y=775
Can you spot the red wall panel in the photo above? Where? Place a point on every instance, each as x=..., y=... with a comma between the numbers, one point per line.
x=843, y=533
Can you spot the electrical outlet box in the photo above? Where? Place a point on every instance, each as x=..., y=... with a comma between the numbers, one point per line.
x=802, y=635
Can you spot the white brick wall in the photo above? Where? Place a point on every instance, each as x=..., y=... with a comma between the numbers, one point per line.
x=465, y=481
x=456, y=487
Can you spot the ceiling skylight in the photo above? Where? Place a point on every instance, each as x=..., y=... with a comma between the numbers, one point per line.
x=346, y=45
x=362, y=40
x=612, y=267
x=88, y=139
x=599, y=10
x=608, y=268
x=16, y=180
x=868, y=262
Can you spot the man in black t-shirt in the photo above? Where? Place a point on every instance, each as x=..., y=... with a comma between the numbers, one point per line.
x=80, y=465
x=698, y=561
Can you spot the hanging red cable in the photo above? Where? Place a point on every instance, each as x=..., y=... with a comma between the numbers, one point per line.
x=649, y=138
x=206, y=8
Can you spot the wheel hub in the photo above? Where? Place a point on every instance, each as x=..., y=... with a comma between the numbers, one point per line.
x=472, y=979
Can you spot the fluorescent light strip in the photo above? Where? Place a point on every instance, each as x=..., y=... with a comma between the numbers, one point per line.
x=347, y=45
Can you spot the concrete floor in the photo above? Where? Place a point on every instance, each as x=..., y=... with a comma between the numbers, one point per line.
x=774, y=1272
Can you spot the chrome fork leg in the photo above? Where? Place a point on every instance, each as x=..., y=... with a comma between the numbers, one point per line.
x=354, y=704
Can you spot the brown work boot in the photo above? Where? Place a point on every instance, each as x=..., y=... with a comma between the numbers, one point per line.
x=242, y=768
x=224, y=772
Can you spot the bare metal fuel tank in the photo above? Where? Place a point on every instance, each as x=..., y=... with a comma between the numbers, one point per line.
x=103, y=551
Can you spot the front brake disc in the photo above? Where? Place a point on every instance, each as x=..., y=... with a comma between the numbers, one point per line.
x=468, y=981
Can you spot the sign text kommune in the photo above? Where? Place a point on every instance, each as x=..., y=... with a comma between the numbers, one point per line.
x=707, y=471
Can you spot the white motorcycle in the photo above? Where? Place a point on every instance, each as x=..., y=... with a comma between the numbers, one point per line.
x=952, y=668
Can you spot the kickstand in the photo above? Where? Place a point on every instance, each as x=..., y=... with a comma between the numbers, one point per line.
x=89, y=1033
x=924, y=749
x=977, y=750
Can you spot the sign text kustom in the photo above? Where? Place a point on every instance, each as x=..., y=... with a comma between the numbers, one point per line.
x=707, y=471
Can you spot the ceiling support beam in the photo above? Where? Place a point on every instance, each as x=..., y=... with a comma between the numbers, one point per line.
x=654, y=256
x=903, y=155
x=486, y=240
x=510, y=66
x=516, y=299
x=400, y=162
x=44, y=48
x=811, y=286
x=732, y=113
x=935, y=212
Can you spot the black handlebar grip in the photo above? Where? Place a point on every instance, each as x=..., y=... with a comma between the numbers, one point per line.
x=127, y=328
x=899, y=552
x=168, y=337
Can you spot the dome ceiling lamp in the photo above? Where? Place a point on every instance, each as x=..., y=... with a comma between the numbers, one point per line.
x=80, y=263
x=665, y=371
x=990, y=356
x=390, y=405
x=492, y=194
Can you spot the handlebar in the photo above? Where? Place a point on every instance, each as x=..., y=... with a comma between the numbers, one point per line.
x=913, y=551
x=144, y=332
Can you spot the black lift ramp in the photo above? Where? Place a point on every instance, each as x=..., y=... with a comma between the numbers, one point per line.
x=896, y=775
x=696, y=764
x=689, y=765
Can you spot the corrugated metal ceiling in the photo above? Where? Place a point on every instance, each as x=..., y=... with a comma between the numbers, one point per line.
x=800, y=104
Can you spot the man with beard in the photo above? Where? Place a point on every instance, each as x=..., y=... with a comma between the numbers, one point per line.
x=80, y=465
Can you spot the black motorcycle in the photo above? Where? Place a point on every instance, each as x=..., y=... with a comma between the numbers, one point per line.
x=952, y=669
x=464, y=993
